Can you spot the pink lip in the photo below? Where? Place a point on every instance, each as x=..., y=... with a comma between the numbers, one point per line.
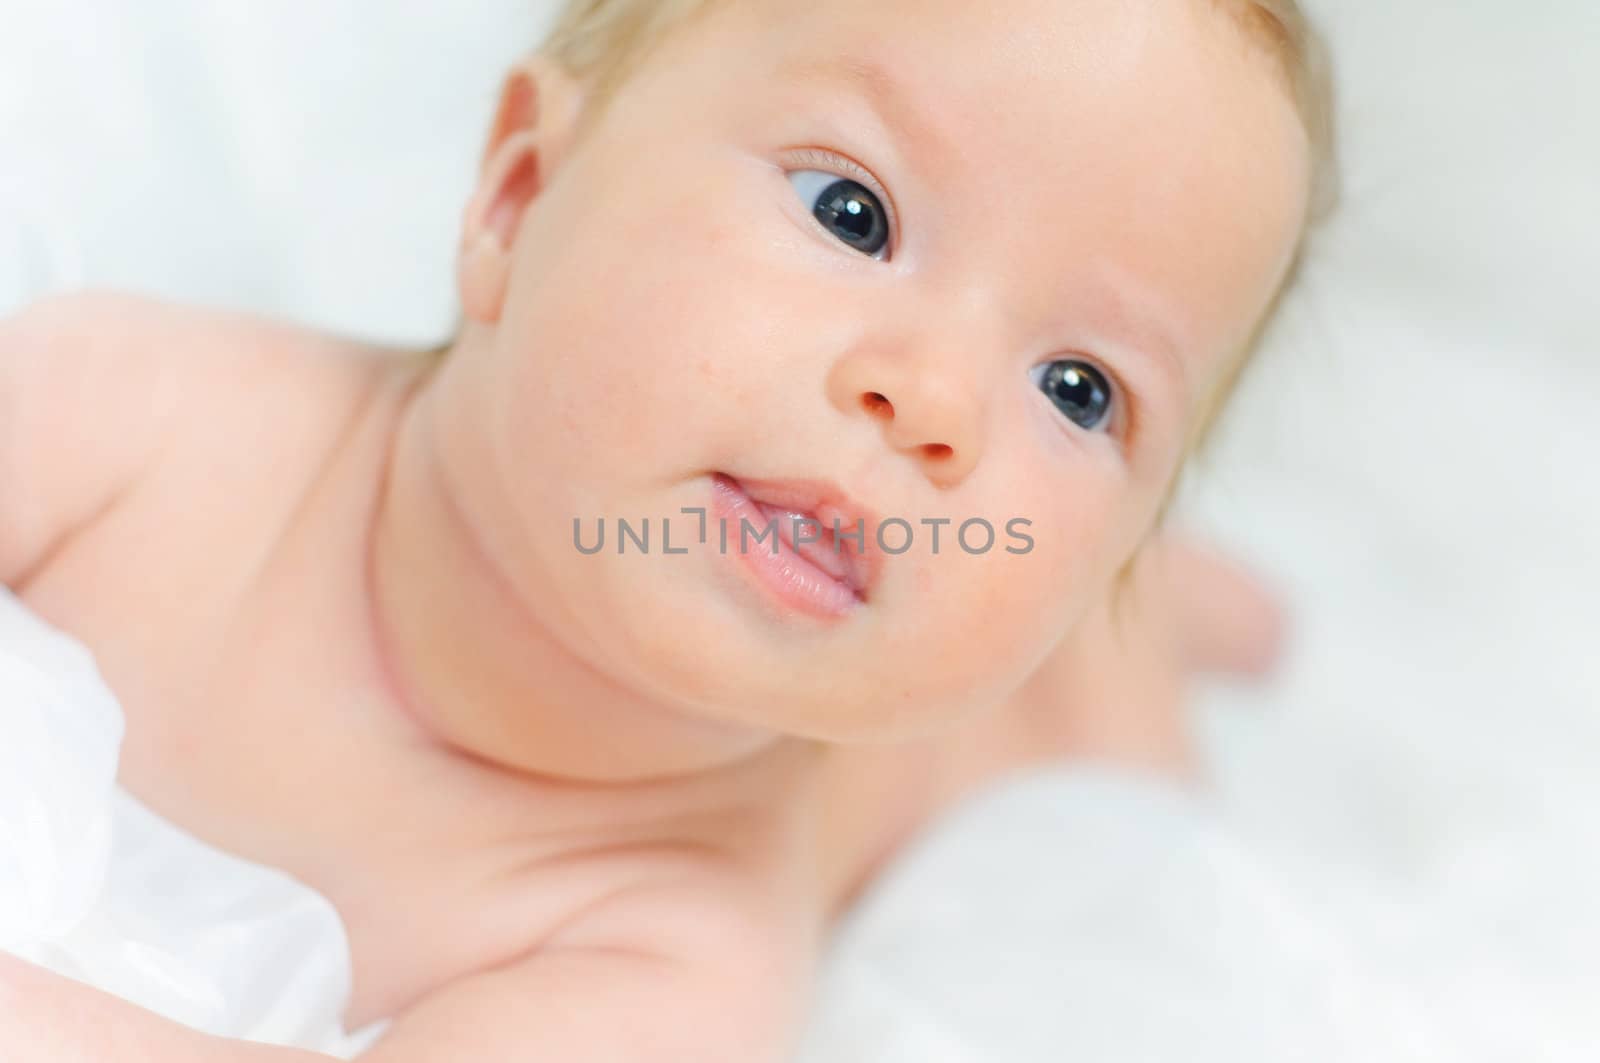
x=827, y=578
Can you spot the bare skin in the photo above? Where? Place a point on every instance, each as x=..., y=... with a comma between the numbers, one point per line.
x=479, y=864
x=239, y=639
x=573, y=812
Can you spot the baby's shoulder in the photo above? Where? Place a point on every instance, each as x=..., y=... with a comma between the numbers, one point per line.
x=134, y=358
x=97, y=388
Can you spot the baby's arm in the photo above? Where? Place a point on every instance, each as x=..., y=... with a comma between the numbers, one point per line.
x=83, y=403
x=699, y=974
x=1115, y=690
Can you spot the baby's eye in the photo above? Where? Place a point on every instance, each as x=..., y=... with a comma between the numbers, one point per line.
x=847, y=209
x=1079, y=390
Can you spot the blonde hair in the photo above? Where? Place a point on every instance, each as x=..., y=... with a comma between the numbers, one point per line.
x=1304, y=61
x=602, y=42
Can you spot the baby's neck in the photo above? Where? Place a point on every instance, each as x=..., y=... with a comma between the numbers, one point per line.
x=479, y=671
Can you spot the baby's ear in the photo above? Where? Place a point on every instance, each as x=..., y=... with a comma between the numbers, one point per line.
x=533, y=128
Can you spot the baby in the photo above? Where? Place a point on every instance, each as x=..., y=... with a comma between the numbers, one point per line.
x=958, y=285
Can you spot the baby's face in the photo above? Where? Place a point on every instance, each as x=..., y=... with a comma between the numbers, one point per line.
x=1067, y=217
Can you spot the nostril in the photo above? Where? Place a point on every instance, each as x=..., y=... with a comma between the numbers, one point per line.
x=937, y=451
x=875, y=403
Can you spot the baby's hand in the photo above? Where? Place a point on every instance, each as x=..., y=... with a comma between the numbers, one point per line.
x=1115, y=689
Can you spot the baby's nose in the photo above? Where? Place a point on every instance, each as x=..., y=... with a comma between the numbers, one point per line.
x=935, y=417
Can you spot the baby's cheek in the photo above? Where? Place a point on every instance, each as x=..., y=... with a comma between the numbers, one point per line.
x=1009, y=610
x=1073, y=551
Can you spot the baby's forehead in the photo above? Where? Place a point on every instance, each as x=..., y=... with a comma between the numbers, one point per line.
x=1066, y=98
x=1037, y=69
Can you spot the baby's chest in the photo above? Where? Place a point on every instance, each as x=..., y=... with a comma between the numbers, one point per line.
x=436, y=869
x=446, y=912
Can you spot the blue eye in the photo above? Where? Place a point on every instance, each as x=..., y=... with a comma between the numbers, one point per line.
x=847, y=209
x=1079, y=390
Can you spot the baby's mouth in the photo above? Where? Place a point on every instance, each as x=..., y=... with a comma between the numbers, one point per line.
x=811, y=510
x=821, y=548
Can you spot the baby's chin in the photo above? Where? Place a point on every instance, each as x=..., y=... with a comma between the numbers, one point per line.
x=700, y=636
x=854, y=692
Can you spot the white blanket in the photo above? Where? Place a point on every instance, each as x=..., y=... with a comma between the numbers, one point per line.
x=96, y=887
x=1169, y=941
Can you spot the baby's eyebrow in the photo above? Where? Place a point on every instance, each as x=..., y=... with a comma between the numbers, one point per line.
x=880, y=86
x=1127, y=311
